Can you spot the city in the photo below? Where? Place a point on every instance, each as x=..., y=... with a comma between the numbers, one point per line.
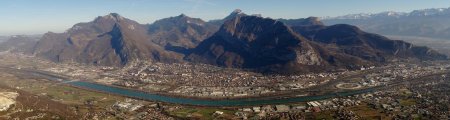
x=224, y=60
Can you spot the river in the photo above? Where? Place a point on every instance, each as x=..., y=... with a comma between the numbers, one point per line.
x=199, y=102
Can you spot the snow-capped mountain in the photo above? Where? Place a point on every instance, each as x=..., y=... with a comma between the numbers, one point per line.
x=393, y=14
x=371, y=15
x=433, y=23
x=430, y=12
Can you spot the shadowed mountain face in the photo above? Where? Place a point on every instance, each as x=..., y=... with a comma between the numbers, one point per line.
x=352, y=41
x=108, y=40
x=255, y=42
x=19, y=43
x=180, y=33
x=266, y=44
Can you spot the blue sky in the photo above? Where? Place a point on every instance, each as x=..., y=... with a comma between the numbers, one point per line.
x=40, y=16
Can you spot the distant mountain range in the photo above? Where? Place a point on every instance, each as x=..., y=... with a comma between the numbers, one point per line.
x=433, y=23
x=19, y=43
x=238, y=41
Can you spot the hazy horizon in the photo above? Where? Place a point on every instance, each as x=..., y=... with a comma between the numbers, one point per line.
x=30, y=17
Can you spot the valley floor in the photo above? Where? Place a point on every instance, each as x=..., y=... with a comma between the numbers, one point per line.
x=414, y=90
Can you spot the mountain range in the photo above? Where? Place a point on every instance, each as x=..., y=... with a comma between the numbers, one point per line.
x=108, y=40
x=19, y=43
x=433, y=23
x=304, y=45
x=237, y=41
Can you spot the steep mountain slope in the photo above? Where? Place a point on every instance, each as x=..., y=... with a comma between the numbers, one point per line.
x=180, y=33
x=108, y=40
x=352, y=41
x=432, y=23
x=19, y=43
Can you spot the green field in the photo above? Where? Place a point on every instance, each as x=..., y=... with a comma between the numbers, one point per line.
x=71, y=96
x=200, y=112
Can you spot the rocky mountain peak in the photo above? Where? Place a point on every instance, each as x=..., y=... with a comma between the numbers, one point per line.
x=313, y=21
x=237, y=11
x=181, y=20
x=245, y=27
x=234, y=14
x=110, y=17
x=182, y=15
x=100, y=25
x=116, y=15
x=310, y=21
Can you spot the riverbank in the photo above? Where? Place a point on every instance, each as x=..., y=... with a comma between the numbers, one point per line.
x=202, y=102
